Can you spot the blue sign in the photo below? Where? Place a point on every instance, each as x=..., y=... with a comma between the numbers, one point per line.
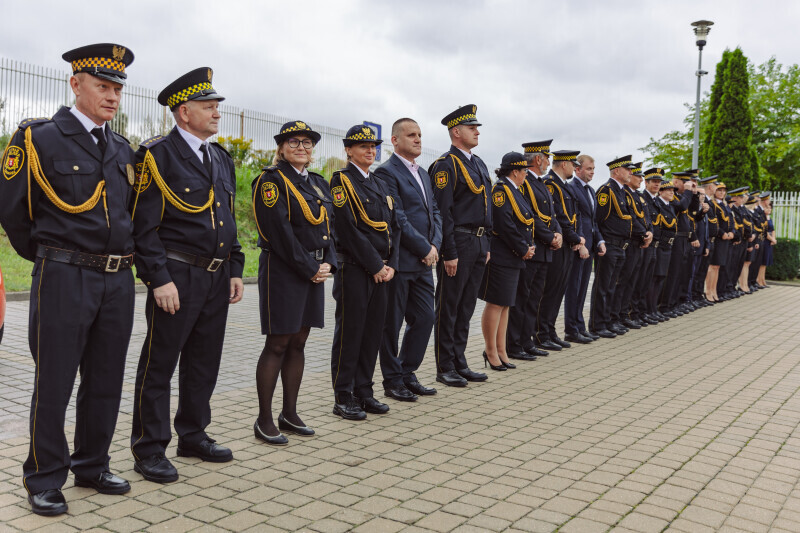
x=377, y=129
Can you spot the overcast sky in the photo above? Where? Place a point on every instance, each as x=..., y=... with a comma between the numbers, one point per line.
x=597, y=76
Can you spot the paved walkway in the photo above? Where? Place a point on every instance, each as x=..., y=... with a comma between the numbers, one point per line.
x=688, y=426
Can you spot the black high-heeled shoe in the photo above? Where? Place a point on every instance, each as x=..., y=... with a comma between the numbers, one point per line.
x=501, y=367
x=508, y=365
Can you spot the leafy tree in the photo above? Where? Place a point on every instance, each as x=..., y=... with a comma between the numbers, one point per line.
x=713, y=105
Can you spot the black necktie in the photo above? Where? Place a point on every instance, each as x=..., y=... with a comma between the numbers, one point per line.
x=206, y=158
x=101, y=139
x=589, y=196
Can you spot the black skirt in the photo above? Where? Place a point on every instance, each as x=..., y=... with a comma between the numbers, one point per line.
x=720, y=253
x=499, y=284
x=287, y=302
x=663, y=256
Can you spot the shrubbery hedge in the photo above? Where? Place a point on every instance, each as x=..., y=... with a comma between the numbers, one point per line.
x=786, y=255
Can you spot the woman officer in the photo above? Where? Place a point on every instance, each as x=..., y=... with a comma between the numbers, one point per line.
x=511, y=245
x=291, y=206
x=668, y=225
x=367, y=243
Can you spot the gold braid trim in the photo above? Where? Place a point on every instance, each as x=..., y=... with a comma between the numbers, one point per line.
x=468, y=179
x=35, y=167
x=633, y=204
x=721, y=212
x=355, y=200
x=515, y=208
x=616, y=206
x=174, y=199
x=747, y=222
x=544, y=218
x=253, y=205
x=660, y=219
x=564, y=205
x=323, y=213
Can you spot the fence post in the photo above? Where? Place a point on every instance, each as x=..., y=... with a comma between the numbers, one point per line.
x=241, y=125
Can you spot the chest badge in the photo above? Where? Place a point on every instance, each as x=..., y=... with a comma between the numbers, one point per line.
x=131, y=174
x=390, y=201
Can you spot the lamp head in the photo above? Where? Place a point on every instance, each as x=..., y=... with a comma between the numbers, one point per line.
x=701, y=29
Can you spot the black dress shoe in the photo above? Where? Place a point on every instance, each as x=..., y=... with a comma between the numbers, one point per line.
x=469, y=375
x=48, y=502
x=590, y=335
x=451, y=379
x=521, y=356
x=285, y=425
x=156, y=468
x=371, y=405
x=276, y=440
x=105, y=483
x=577, y=337
x=618, y=331
x=535, y=350
x=509, y=365
x=400, y=393
x=631, y=324
x=560, y=342
x=207, y=450
x=345, y=405
x=419, y=389
x=604, y=333
x=550, y=345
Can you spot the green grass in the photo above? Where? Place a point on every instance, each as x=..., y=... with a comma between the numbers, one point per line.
x=16, y=270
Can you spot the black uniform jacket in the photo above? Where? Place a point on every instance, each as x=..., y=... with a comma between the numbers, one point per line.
x=667, y=223
x=724, y=217
x=461, y=188
x=545, y=222
x=513, y=219
x=614, y=213
x=71, y=162
x=294, y=216
x=682, y=204
x=638, y=212
x=652, y=214
x=738, y=224
x=160, y=224
x=367, y=232
x=712, y=220
x=565, y=208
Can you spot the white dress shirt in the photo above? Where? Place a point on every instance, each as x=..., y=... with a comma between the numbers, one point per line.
x=194, y=142
x=414, y=169
x=88, y=123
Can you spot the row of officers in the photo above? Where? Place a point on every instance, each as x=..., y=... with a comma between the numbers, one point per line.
x=84, y=208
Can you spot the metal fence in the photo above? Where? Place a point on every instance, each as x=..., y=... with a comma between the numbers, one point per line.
x=33, y=91
x=786, y=214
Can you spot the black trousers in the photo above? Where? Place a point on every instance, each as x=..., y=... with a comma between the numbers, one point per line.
x=555, y=286
x=755, y=264
x=606, y=274
x=734, y=266
x=626, y=283
x=699, y=281
x=455, y=301
x=654, y=293
x=522, y=316
x=193, y=336
x=410, y=297
x=677, y=265
x=360, y=319
x=79, y=320
x=644, y=280
x=575, y=295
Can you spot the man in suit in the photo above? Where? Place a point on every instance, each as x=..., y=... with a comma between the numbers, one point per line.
x=411, y=291
x=461, y=187
x=578, y=282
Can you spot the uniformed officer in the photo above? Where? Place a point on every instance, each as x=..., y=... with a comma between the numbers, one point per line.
x=64, y=206
x=711, y=227
x=190, y=259
x=642, y=229
x=292, y=209
x=722, y=244
x=368, y=253
x=615, y=219
x=644, y=277
x=558, y=271
x=742, y=250
x=760, y=223
x=697, y=243
x=667, y=224
x=512, y=244
x=523, y=315
x=729, y=275
x=461, y=187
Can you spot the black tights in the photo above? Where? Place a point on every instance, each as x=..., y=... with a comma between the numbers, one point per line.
x=282, y=354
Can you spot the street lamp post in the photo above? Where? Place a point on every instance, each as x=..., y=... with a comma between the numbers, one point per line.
x=701, y=29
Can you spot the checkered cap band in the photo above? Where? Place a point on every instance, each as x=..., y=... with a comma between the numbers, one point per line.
x=458, y=120
x=182, y=96
x=296, y=127
x=565, y=158
x=618, y=164
x=361, y=136
x=103, y=62
x=523, y=164
x=655, y=174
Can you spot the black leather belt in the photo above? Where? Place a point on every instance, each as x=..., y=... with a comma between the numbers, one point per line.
x=664, y=242
x=103, y=263
x=478, y=232
x=619, y=243
x=211, y=265
x=345, y=258
x=687, y=234
x=712, y=239
x=318, y=255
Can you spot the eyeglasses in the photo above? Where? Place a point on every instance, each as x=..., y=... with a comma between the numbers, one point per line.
x=294, y=143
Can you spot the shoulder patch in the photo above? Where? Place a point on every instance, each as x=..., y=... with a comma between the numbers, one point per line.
x=339, y=196
x=142, y=181
x=440, y=179
x=152, y=141
x=602, y=199
x=269, y=193
x=12, y=162
x=498, y=198
x=31, y=121
x=551, y=188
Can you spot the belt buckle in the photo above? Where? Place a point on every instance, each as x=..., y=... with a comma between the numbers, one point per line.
x=215, y=263
x=319, y=254
x=117, y=259
x=479, y=232
x=655, y=245
x=671, y=240
x=625, y=246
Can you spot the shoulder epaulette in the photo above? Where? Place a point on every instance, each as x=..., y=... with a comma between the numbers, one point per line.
x=222, y=148
x=152, y=141
x=317, y=174
x=31, y=121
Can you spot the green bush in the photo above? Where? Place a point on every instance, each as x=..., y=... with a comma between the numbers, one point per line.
x=786, y=260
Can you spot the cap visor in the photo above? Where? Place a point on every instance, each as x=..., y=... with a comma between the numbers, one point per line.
x=109, y=77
